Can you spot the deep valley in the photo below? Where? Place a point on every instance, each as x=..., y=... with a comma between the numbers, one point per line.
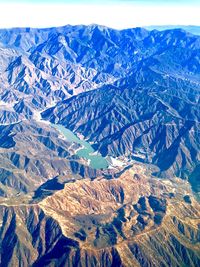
x=99, y=147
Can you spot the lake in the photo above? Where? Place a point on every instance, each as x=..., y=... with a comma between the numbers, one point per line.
x=87, y=152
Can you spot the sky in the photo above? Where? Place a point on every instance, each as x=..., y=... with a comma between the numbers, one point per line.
x=117, y=14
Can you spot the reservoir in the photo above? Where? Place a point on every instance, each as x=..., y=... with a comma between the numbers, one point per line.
x=87, y=152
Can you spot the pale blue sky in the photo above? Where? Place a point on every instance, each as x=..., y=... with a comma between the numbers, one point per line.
x=112, y=13
x=150, y=2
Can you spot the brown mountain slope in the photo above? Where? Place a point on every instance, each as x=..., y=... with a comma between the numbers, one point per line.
x=133, y=220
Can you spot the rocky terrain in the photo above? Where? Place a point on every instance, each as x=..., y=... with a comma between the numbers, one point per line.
x=134, y=95
x=31, y=155
x=133, y=220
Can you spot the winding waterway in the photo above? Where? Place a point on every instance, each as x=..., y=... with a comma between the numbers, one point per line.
x=87, y=152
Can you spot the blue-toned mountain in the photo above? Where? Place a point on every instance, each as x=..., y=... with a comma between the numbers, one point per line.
x=134, y=95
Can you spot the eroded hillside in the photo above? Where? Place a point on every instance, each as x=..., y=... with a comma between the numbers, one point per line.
x=134, y=96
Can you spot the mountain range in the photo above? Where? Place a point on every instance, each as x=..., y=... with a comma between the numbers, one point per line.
x=134, y=96
x=192, y=29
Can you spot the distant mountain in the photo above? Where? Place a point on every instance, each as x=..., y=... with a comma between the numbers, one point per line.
x=192, y=29
x=134, y=95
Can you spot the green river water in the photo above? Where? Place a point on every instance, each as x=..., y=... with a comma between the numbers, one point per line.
x=96, y=161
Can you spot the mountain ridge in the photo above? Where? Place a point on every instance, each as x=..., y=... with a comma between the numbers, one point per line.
x=134, y=96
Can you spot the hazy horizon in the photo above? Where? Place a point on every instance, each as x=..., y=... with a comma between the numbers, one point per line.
x=116, y=14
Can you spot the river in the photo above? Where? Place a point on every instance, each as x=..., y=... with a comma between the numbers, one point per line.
x=96, y=161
